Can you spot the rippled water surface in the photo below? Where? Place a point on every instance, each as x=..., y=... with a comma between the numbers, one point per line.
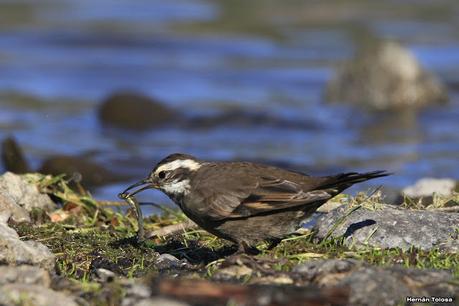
x=206, y=57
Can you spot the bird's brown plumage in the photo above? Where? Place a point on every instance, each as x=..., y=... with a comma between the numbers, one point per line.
x=246, y=202
x=231, y=196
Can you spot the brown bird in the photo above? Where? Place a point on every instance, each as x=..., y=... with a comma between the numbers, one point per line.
x=245, y=202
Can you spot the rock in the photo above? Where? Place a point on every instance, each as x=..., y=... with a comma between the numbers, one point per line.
x=311, y=269
x=385, y=75
x=134, y=293
x=13, y=158
x=244, y=118
x=371, y=285
x=104, y=275
x=160, y=301
x=26, y=294
x=17, y=197
x=9, y=207
x=203, y=292
x=427, y=186
x=329, y=206
x=24, y=274
x=134, y=111
x=232, y=272
x=91, y=173
x=392, y=227
x=15, y=252
x=273, y=280
x=28, y=285
x=167, y=261
x=17, y=189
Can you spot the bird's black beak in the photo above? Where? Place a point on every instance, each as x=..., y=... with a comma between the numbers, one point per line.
x=146, y=183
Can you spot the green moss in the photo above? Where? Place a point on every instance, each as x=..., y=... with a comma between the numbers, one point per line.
x=306, y=248
x=79, y=251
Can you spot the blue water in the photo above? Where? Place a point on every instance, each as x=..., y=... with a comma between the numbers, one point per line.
x=69, y=55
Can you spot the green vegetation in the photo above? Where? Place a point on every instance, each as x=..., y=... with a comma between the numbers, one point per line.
x=86, y=235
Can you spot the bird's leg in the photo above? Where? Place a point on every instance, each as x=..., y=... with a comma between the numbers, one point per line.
x=273, y=243
x=245, y=248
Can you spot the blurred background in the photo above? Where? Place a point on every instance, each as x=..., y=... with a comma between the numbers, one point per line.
x=108, y=88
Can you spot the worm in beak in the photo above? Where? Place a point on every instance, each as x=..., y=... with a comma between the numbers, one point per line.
x=128, y=197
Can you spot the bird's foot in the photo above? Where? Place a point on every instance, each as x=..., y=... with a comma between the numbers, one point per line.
x=245, y=248
x=273, y=243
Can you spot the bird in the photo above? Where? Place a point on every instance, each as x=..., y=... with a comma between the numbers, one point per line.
x=244, y=202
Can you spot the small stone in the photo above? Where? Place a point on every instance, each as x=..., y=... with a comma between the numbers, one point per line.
x=273, y=280
x=428, y=186
x=105, y=275
x=233, y=272
x=167, y=261
x=315, y=267
x=134, y=293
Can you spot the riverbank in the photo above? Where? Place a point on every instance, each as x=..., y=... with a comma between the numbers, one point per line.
x=74, y=250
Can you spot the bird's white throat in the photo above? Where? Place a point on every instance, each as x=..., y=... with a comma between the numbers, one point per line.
x=177, y=187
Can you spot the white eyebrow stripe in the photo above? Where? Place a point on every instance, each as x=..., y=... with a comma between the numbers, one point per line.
x=180, y=163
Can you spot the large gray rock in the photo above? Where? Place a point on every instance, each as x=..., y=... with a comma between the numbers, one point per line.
x=26, y=294
x=17, y=197
x=24, y=274
x=15, y=211
x=385, y=75
x=18, y=190
x=15, y=251
x=371, y=285
x=29, y=285
x=392, y=227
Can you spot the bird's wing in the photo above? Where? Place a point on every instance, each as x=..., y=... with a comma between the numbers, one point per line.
x=265, y=195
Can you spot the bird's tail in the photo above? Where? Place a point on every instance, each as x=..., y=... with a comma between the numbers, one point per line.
x=346, y=180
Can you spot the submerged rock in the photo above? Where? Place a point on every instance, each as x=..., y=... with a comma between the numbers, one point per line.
x=371, y=285
x=92, y=174
x=12, y=157
x=133, y=111
x=385, y=75
x=392, y=227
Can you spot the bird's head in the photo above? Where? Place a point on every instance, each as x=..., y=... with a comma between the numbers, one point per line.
x=171, y=175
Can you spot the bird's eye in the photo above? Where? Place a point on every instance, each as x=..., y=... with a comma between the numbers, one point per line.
x=162, y=174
